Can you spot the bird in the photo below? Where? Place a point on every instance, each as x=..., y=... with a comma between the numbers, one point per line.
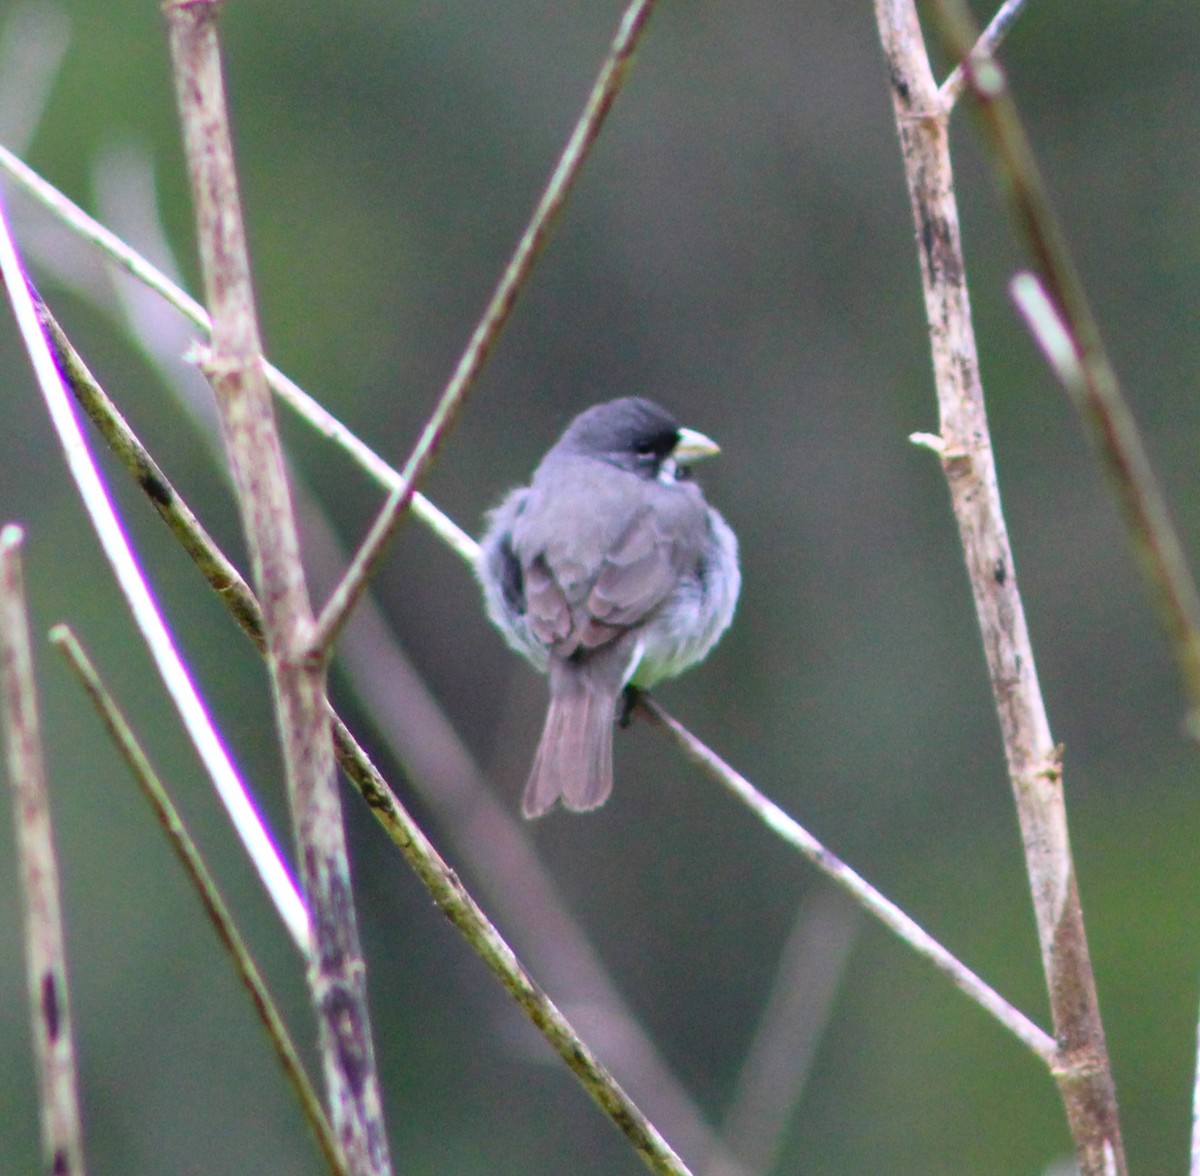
x=609, y=570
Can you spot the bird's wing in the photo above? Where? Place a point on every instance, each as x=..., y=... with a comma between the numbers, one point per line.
x=546, y=606
x=636, y=575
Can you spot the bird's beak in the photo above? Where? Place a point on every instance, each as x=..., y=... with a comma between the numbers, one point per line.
x=693, y=446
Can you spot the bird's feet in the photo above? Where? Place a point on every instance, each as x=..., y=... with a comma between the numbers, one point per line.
x=629, y=701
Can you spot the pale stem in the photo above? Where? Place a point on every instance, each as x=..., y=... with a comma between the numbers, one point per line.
x=883, y=909
x=319, y=418
x=45, y=953
x=1080, y=1060
x=989, y=41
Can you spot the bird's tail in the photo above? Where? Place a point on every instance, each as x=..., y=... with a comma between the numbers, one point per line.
x=574, y=757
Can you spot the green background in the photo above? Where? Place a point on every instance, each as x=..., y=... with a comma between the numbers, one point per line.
x=740, y=248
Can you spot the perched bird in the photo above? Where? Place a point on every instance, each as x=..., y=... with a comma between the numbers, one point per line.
x=608, y=570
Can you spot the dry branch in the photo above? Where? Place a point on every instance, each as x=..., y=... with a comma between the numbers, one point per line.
x=103, y=518
x=336, y=971
x=316, y=416
x=45, y=954
x=1080, y=1064
x=883, y=909
x=1090, y=379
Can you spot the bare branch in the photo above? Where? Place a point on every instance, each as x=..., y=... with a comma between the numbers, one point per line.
x=604, y=92
x=886, y=911
x=1080, y=1063
x=336, y=973
x=45, y=954
x=989, y=41
x=214, y=905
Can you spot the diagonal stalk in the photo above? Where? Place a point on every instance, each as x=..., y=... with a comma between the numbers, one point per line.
x=604, y=93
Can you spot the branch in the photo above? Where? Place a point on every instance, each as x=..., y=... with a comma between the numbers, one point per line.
x=989, y=41
x=45, y=955
x=336, y=973
x=886, y=911
x=604, y=92
x=1080, y=1063
x=214, y=905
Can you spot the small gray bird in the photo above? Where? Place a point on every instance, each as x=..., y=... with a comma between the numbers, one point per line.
x=608, y=570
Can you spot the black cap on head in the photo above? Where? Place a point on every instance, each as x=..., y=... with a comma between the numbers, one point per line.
x=630, y=425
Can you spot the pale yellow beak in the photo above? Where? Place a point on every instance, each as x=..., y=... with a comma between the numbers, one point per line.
x=693, y=446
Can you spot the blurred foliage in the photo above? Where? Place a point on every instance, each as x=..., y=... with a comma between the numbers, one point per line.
x=740, y=248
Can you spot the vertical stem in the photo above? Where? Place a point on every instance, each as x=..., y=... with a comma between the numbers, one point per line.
x=1081, y=1066
x=45, y=956
x=336, y=971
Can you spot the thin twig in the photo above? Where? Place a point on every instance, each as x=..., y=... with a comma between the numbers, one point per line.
x=989, y=41
x=1106, y=413
x=1080, y=1063
x=45, y=955
x=141, y=603
x=336, y=971
x=220, y=573
x=206, y=887
x=886, y=911
x=319, y=418
x=604, y=92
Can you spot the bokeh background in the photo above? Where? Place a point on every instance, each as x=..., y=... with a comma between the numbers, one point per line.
x=740, y=248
